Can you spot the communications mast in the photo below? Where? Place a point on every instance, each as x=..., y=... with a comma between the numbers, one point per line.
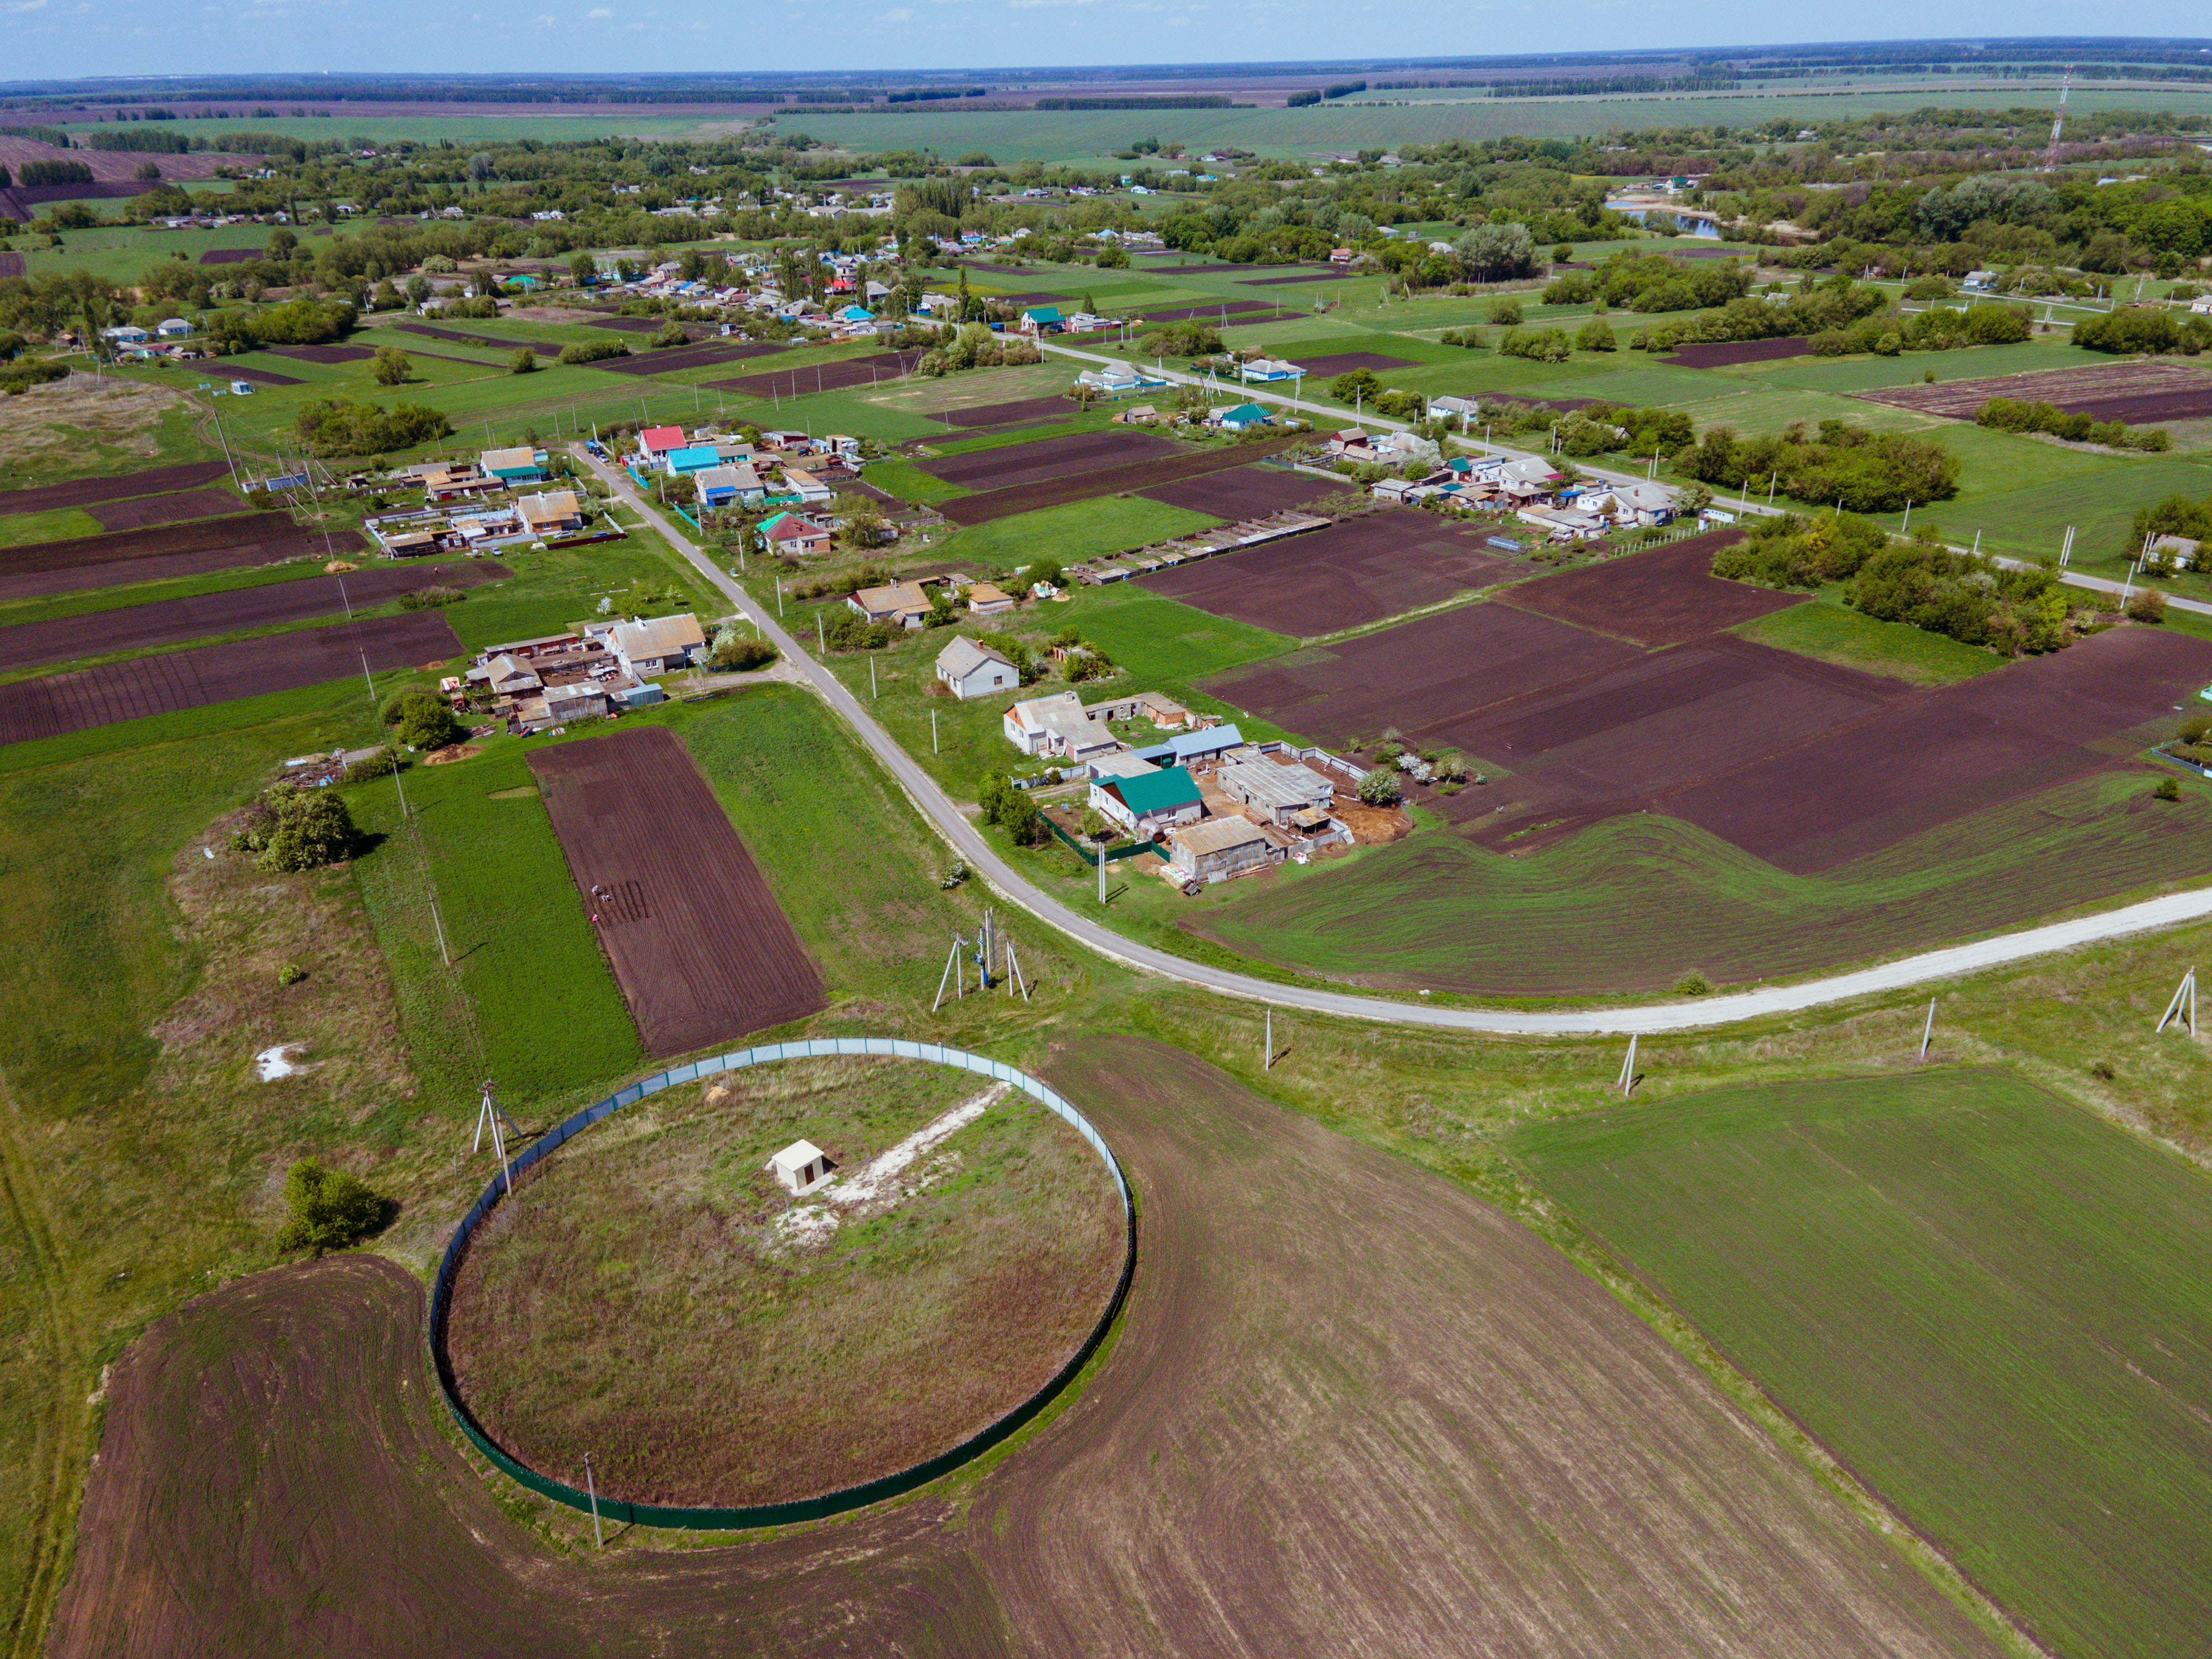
x=2050, y=156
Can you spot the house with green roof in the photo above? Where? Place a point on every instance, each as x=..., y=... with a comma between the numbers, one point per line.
x=1151, y=803
x=1043, y=319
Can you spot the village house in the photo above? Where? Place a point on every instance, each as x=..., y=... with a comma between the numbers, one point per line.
x=550, y=513
x=654, y=645
x=1057, y=724
x=1149, y=806
x=655, y=442
x=789, y=532
x=900, y=605
x=1220, y=850
x=513, y=466
x=1269, y=369
x=988, y=599
x=1242, y=418
x=971, y=669
x=1043, y=320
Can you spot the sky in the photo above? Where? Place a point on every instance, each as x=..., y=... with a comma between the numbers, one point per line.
x=43, y=39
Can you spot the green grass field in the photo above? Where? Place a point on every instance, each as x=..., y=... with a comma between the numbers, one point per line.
x=1827, y=628
x=1633, y=903
x=1986, y=1301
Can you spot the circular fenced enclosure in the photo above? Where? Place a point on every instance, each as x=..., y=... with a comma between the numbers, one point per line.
x=741, y=1344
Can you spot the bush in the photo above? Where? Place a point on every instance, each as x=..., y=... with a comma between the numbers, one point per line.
x=524, y=361
x=1692, y=984
x=2146, y=605
x=291, y=974
x=2167, y=790
x=341, y=426
x=423, y=721
x=594, y=351
x=740, y=653
x=429, y=598
x=290, y=831
x=381, y=764
x=1504, y=311
x=330, y=1208
x=391, y=366
x=1380, y=787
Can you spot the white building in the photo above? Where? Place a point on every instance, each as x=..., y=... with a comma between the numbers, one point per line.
x=974, y=670
x=1057, y=724
x=799, y=1167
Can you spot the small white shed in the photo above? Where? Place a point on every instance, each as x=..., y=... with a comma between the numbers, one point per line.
x=799, y=1165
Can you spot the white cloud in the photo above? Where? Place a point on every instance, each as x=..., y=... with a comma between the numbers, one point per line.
x=545, y=20
x=901, y=16
x=597, y=12
x=23, y=5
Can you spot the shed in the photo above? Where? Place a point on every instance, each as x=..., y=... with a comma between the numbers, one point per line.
x=1220, y=848
x=1279, y=793
x=799, y=1166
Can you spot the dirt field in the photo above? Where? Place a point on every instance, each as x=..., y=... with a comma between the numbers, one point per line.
x=1665, y=596
x=783, y=1368
x=172, y=622
x=1213, y=312
x=1330, y=275
x=700, y=948
x=137, y=555
x=84, y=492
x=1007, y=413
x=1274, y=1459
x=674, y=359
x=1141, y=477
x=1715, y=354
x=1011, y=465
x=1926, y=759
x=543, y=348
x=230, y=371
x=822, y=377
x=325, y=354
x=230, y=256
x=1360, y=570
x=1343, y=362
x=11, y=264
x=167, y=509
x=2138, y=392
x=1247, y=492
x=56, y=703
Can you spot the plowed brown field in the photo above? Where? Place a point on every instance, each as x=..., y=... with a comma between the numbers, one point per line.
x=821, y=377
x=2131, y=390
x=694, y=935
x=149, y=555
x=1140, y=476
x=1010, y=465
x=174, y=508
x=1352, y=1412
x=132, y=690
x=83, y=492
x=1665, y=596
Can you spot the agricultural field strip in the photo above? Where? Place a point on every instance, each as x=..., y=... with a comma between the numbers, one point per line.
x=83, y=492
x=1948, y=1279
x=669, y=881
x=57, y=703
x=2182, y=391
x=172, y=622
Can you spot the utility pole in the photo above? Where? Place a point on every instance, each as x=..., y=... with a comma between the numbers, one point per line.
x=592, y=1486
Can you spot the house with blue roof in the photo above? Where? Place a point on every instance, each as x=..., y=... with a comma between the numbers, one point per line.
x=1150, y=805
x=693, y=457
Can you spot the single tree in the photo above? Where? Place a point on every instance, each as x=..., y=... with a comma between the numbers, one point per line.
x=524, y=361
x=391, y=366
x=329, y=1209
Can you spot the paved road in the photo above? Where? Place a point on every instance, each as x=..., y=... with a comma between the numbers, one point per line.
x=1327, y=415
x=1758, y=1004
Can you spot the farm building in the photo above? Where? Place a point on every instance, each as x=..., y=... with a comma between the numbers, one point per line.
x=900, y=605
x=1281, y=795
x=789, y=532
x=1148, y=806
x=1221, y=848
x=1043, y=320
x=550, y=513
x=974, y=670
x=799, y=1166
x=1200, y=746
x=1122, y=764
x=1057, y=724
x=989, y=599
x=804, y=489
x=1163, y=712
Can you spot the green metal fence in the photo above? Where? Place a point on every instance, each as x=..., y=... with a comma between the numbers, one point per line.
x=827, y=1504
x=1090, y=855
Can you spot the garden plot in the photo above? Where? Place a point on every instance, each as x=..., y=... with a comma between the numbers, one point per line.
x=2140, y=391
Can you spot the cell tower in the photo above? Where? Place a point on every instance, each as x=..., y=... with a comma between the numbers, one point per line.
x=2059, y=125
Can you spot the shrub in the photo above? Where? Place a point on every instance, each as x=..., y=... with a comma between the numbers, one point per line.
x=341, y=426
x=739, y=654
x=329, y=1209
x=2167, y=790
x=381, y=764
x=290, y=831
x=429, y=598
x=1380, y=787
x=391, y=366
x=594, y=351
x=2102, y=1071
x=423, y=721
x=524, y=361
x=291, y=974
x=1692, y=984
x=2146, y=605
x=1504, y=311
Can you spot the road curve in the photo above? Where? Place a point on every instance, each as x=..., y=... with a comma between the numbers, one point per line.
x=1762, y=1003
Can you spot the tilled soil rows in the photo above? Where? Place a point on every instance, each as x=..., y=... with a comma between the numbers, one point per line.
x=1006, y=414
x=1271, y=1459
x=1248, y=492
x=693, y=931
x=1665, y=596
x=147, y=555
x=543, y=348
x=1141, y=475
x=55, y=703
x=325, y=354
x=1012, y=465
x=256, y=376
x=167, y=509
x=1343, y=362
x=2135, y=391
x=1361, y=570
x=1715, y=354
x=83, y=492
x=822, y=377
x=172, y=622
x=672, y=359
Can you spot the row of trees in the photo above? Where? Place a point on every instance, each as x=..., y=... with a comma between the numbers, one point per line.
x=1841, y=463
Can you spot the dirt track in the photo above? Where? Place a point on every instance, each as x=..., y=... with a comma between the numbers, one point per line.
x=698, y=941
x=83, y=492
x=165, y=685
x=1352, y=1410
x=172, y=622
